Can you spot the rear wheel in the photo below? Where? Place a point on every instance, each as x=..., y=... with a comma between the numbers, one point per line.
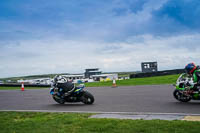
x=87, y=98
x=180, y=96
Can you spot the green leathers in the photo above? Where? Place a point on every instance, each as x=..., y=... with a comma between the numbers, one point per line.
x=196, y=76
x=194, y=71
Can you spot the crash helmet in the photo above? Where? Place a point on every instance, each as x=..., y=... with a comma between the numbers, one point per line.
x=189, y=68
x=60, y=79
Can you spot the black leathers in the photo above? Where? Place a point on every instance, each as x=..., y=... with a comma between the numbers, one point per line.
x=67, y=86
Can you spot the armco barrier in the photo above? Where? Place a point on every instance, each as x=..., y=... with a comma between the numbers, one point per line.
x=158, y=73
x=25, y=85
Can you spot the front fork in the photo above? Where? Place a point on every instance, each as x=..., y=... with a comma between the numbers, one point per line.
x=56, y=93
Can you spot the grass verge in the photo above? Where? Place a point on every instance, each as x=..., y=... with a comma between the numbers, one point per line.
x=35, y=122
x=19, y=88
x=169, y=79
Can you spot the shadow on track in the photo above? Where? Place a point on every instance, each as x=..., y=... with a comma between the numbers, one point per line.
x=68, y=105
x=187, y=103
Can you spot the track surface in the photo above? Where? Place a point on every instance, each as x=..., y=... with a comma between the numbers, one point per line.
x=146, y=99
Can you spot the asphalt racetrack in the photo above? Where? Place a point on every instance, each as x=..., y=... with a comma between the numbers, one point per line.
x=129, y=99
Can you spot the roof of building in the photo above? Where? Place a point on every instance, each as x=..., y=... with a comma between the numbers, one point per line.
x=104, y=75
x=149, y=62
x=95, y=71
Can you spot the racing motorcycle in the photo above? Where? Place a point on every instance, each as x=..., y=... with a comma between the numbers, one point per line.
x=78, y=94
x=184, y=91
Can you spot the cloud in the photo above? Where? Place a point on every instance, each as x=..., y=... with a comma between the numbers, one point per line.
x=97, y=20
x=53, y=56
x=176, y=17
x=114, y=35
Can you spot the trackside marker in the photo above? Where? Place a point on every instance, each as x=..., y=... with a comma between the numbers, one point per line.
x=114, y=83
x=22, y=87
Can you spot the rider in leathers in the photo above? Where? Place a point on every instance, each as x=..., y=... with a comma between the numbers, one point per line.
x=193, y=71
x=64, y=87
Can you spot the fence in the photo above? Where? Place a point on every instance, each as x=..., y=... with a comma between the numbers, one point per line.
x=158, y=73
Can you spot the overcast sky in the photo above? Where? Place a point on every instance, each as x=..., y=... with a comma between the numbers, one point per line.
x=68, y=36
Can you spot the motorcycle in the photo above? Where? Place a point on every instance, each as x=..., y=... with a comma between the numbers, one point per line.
x=184, y=92
x=77, y=95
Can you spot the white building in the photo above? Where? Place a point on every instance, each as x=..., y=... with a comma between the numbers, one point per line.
x=73, y=77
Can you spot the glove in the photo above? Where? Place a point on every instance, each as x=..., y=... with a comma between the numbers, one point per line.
x=198, y=83
x=190, y=83
x=187, y=84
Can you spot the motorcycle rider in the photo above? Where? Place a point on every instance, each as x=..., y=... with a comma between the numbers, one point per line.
x=64, y=86
x=193, y=71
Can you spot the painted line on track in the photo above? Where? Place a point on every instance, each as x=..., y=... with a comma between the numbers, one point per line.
x=100, y=112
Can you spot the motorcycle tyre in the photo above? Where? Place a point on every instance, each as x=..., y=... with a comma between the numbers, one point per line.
x=59, y=100
x=181, y=100
x=87, y=98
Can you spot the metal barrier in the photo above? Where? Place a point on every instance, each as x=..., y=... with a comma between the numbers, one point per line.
x=158, y=73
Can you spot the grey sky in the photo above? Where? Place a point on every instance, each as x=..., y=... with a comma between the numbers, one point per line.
x=113, y=35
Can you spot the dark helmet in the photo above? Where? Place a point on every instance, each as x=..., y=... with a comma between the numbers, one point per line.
x=190, y=68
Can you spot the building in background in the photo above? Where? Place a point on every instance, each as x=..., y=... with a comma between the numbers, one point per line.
x=90, y=72
x=74, y=77
x=149, y=67
x=90, y=75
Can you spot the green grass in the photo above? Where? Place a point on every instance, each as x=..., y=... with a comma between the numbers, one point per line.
x=19, y=88
x=169, y=79
x=34, y=122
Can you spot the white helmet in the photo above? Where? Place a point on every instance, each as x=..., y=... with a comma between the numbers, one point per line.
x=60, y=79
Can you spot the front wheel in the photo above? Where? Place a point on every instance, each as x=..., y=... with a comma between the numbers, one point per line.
x=58, y=100
x=87, y=98
x=180, y=96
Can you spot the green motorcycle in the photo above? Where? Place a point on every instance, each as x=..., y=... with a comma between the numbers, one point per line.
x=184, y=91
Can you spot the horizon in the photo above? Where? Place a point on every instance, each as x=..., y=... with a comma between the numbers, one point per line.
x=140, y=71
